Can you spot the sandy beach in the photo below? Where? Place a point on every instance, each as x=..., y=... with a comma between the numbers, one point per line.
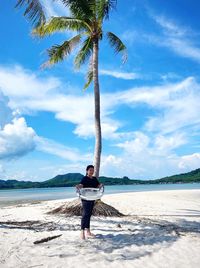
x=161, y=229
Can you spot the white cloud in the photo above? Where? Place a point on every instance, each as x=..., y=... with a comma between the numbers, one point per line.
x=55, y=148
x=177, y=104
x=37, y=169
x=29, y=92
x=190, y=161
x=16, y=139
x=23, y=170
x=143, y=157
x=122, y=75
x=181, y=46
x=136, y=145
x=5, y=112
x=152, y=152
x=177, y=38
x=170, y=27
x=157, y=145
x=181, y=111
x=165, y=144
x=44, y=95
x=184, y=48
x=17, y=82
x=170, y=76
x=55, y=8
x=109, y=129
x=2, y=170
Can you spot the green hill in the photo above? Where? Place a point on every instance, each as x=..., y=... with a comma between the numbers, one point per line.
x=192, y=176
x=71, y=179
x=14, y=184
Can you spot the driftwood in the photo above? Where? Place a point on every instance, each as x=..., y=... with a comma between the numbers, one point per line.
x=74, y=208
x=37, y=226
x=43, y=240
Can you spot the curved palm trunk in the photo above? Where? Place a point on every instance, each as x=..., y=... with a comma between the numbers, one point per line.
x=98, y=141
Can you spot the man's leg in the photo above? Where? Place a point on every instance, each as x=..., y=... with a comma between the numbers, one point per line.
x=90, y=209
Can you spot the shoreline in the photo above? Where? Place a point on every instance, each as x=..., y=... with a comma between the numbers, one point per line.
x=23, y=196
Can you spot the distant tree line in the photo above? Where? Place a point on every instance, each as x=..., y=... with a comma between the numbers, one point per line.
x=71, y=179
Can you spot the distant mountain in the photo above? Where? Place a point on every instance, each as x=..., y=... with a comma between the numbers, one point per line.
x=192, y=176
x=14, y=184
x=71, y=179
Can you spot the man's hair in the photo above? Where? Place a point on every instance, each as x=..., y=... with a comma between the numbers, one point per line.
x=89, y=166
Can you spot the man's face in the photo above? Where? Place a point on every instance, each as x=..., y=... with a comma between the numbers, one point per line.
x=90, y=171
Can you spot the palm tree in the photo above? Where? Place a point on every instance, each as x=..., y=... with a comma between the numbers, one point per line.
x=87, y=18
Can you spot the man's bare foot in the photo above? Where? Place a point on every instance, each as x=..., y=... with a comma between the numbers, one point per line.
x=89, y=234
x=82, y=235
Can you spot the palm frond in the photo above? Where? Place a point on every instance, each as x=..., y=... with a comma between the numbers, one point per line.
x=59, y=52
x=79, y=8
x=84, y=53
x=89, y=77
x=61, y=24
x=33, y=10
x=104, y=7
x=118, y=45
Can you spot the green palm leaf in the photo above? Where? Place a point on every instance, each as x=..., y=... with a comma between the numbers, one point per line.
x=84, y=53
x=61, y=24
x=80, y=8
x=89, y=77
x=104, y=7
x=59, y=52
x=117, y=44
x=33, y=10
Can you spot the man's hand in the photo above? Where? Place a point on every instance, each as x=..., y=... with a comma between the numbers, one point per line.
x=79, y=186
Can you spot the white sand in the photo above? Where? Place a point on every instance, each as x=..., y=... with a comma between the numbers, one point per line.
x=162, y=229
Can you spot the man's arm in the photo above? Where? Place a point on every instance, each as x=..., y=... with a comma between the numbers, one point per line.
x=79, y=186
x=99, y=184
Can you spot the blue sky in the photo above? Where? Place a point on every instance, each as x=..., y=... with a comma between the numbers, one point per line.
x=150, y=105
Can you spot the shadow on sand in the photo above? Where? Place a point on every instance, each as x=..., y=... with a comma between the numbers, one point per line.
x=126, y=238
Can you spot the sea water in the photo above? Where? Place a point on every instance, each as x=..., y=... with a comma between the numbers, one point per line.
x=17, y=196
